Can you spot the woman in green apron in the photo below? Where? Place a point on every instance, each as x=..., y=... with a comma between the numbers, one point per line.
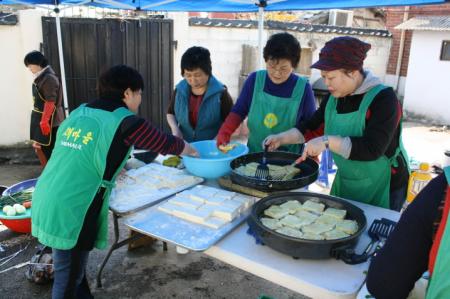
x=420, y=242
x=360, y=123
x=274, y=99
x=71, y=198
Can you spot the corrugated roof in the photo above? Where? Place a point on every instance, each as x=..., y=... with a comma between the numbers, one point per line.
x=428, y=23
x=227, y=23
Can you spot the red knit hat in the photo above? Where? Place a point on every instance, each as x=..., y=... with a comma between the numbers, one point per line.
x=344, y=52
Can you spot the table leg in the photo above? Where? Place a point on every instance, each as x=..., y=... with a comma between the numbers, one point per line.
x=116, y=244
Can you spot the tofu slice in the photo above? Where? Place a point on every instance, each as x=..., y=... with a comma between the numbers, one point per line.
x=226, y=212
x=190, y=214
x=167, y=207
x=326, y=219
x=291, y=232
x=215, y=222
x=337, y=213
x=313, y=206
x=276, y=212
x=306, y=217
x=270, y=223
x=185, y=201
x=347, y=226
x=292, y=205
x=291, y=221
x=317, y=228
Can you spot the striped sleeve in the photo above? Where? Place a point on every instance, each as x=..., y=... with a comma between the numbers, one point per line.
x=148, y=137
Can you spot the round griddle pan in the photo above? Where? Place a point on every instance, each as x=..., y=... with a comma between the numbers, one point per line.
x=309, y=170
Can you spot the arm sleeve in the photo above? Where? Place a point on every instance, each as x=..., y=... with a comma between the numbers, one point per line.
x=244, y=101
x=404, y=257
x=226, y=103
x=381, y=126
x=171, y=108
x=307, y=106
x=143, y=135
x=49, y=88
x=314, y=125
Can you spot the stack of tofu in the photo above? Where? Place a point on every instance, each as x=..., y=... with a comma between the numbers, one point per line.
x=207, y=206
x=150, y=178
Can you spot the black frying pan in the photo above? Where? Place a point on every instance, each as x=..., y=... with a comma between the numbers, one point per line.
x=309, y=170
x=309, y=249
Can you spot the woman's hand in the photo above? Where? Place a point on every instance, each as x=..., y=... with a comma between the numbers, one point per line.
x=189, y=150
x=313, y=148
x=272, y=141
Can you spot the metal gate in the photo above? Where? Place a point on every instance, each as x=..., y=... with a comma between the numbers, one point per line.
x=91, y=46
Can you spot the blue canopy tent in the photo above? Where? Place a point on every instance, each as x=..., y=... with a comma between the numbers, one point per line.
x=210, y=6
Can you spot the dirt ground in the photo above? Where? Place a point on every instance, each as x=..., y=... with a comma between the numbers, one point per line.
x=150, y=272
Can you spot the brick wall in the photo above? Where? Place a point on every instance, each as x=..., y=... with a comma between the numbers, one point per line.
x=394, y=17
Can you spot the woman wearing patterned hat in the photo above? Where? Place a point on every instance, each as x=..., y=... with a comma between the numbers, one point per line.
x=360, y=123
x=274, y=99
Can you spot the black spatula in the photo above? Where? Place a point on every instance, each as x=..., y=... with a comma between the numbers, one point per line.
x=379, y=231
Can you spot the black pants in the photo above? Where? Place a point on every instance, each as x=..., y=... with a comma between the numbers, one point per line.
x=47, y=150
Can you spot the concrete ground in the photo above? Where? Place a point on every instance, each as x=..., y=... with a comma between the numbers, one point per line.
x=149, y=272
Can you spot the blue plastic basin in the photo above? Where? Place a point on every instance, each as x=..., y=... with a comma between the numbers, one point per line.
x=212, y=163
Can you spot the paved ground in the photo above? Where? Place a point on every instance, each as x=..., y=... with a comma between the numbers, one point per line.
x=149, y=272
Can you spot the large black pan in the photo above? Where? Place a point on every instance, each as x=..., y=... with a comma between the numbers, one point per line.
x=308, y=249
x=308, y=174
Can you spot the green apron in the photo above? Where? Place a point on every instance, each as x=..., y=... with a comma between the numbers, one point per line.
x=72, y=177
x=439, y=286
x=364, y=181
x=272, y=115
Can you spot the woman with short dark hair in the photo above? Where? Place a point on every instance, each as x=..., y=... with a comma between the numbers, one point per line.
x=200, y=102
x=48, y=112
x=71, y=198
x=274, y=99
x=360, y=124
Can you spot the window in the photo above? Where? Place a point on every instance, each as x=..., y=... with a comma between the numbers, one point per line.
x=445, y=51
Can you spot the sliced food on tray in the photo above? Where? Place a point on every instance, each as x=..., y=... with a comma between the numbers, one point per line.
x=207, y=206
x=311, y=220
x=277, y=172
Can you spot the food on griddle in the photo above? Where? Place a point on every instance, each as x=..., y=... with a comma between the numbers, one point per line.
x=271, y=223
x=276, y=212
x=309, y=221
x=277, y=172
x=312, y=206
x=226, y=148
x=292, y=205
x=347, y=226
x=285, y=230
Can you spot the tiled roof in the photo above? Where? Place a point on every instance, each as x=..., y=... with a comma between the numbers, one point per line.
x=433, y=23
x=8, y=19
x=228, y=23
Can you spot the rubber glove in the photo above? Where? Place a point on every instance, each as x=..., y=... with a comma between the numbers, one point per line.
x=49, y=107
x=228, y=127
x=313, y=148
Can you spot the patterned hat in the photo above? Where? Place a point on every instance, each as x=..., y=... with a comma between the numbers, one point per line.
x=343, y=52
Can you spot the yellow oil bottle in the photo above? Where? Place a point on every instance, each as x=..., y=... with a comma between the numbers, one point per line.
x=418, y=180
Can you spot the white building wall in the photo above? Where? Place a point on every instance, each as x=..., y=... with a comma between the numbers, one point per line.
x=15, y=79
x=427, y=90
x=225, y=45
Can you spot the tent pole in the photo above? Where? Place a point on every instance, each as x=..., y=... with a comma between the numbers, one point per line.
x=260, y=36
x=61, y=61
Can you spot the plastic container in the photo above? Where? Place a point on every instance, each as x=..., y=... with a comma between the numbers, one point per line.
x=417, y=181
x=212, y=163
